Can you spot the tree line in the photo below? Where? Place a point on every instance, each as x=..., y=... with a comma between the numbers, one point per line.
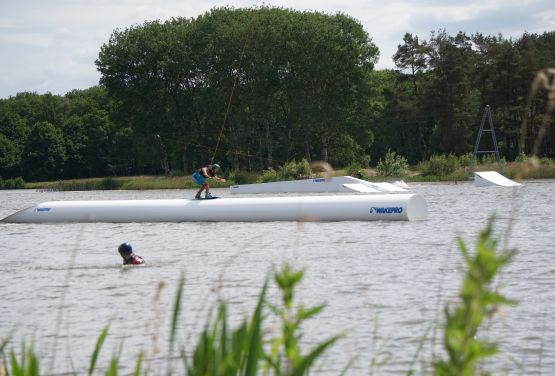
x=255, y=88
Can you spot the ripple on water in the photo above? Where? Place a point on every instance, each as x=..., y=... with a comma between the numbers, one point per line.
x=384, y=283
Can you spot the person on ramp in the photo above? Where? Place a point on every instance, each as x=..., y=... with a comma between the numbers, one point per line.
x=129, y=258
x=202, y=174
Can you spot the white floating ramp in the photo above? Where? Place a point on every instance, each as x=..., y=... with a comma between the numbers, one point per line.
x=334, y=184
x=305, y=208
x=488, y=178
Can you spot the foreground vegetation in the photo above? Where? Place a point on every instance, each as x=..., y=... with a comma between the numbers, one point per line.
x=254, y=348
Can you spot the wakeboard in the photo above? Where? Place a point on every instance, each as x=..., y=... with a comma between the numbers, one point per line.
x=207, y=198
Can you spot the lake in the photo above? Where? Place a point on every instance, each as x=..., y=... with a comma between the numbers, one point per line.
x=385, y=283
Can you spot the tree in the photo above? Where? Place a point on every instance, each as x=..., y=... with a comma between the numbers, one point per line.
x=411, y=59
x=242, y=71
x=13, y=133
x=9, y=157
x=456, y=101
x=44, y=153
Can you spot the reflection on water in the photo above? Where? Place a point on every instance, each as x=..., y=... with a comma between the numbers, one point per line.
x=385, y=283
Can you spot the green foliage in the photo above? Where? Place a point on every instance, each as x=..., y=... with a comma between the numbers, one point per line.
x=286, y=356
x=81, y=119
x=113, y=367
x=241, y=177
x=466, y=160
x=440, y=165
x=225, y=351
x=12, y=183
x=545, y=161
x=392, y=165
x=110, y=183
x=356, y=170
x=10, y=156
x=221, y=351
x=521, y=158
x=479, y=301
x=97, y=348
x=490, y=159
x=305, y=87
x=346, y=151
x=27, y=365
x=269, y=175
x=45, y=153
x=524, y=171
x=289, y=171
x=175, y=319
x=168, y=78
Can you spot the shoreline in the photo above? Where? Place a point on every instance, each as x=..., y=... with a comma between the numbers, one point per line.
x=152, y=182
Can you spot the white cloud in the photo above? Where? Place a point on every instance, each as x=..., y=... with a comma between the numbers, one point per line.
x=52, y=45
x=546, y=19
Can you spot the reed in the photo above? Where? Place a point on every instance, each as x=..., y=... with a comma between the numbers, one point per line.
x=478, y=301
x=524, y=170
x=26, y=365
x=97, y=347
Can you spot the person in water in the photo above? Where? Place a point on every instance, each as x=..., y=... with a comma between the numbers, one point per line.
x=202, y=174
x=129, y=258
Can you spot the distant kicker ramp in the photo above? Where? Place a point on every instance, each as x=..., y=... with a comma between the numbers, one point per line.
x=391, y=207
x=488, y=178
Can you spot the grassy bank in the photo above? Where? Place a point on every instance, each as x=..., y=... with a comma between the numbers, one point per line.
x=433, y=171
x=122, y=182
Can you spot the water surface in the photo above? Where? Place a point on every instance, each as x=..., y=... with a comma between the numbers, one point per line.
x=384, y=283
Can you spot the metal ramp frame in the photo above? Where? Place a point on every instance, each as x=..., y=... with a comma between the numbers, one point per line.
x=486, y=178
x=486, y=116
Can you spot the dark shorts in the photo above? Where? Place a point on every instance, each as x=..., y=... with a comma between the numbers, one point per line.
x=198, y=178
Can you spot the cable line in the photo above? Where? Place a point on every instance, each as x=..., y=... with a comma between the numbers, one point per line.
x=232, y=91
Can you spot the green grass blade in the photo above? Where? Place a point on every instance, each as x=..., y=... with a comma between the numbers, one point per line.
x=255, y=337
x=175, y=318
x=97, y=348
x=16, y=368
x=139, y=364
x=113, y=368
x=348, y=366
x=308, y=360
x=33, y=369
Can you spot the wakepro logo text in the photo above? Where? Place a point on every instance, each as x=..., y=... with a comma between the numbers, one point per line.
x=42, y=209
x=388, y=210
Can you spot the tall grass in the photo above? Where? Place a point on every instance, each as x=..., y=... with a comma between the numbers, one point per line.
x=26, y=365
x=478, y=301
x=97, y=347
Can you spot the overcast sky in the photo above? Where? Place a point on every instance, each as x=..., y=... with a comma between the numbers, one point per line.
x=51, y=45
